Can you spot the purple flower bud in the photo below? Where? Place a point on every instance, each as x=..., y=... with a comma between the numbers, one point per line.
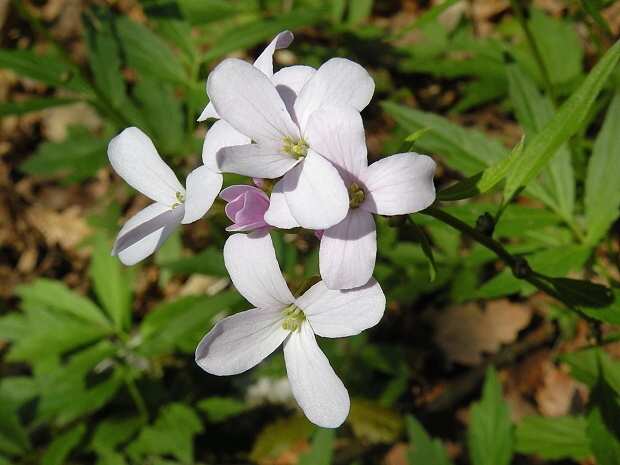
x=246, y=207
x=319, y=233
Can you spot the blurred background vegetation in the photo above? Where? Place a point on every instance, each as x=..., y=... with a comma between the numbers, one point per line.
x=474, y=366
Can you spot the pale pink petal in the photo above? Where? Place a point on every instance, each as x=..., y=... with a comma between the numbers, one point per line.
x=221, y=134
x=278, y=214
x=203, y=185
x=399, y=184
x=318, y=391
x=315, y=193
x=247, y=209
x=149, y=242
x=338, y=81
x=348, y=251
x=341, y=313
x=252, y=265
x=255, y=160
x=246, y=98
x=208, y=112
x=337, y=133
x=289, y=81
x=241, y=341
x=134, y=157
x=265, y=60
x=233, y=192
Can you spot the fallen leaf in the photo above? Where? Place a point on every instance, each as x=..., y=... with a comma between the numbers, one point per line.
x=66, y=229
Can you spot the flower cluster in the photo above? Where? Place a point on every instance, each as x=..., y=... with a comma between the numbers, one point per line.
x=299, y=134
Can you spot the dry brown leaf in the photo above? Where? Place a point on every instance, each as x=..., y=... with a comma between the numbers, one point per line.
x=56, y=120
x=555, y=397
x=466, y=332
x=397, y=455
x=66, y=229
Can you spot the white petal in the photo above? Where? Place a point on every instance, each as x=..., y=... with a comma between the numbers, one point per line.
x=134, y=157
x=348, y=251
x=208, y=112
x=399, y=184
x=340, y=313
x=338, y=81
x=289, y=81
x=315, y=193
x=241, y=341
x=246, y=98
x=337, y=133
x=252, y=265
x=221, y=134
x=278, y=214
x=203, y=185
x=265, y=61
x=255, y=160
x=317, y=389
x=146, y=246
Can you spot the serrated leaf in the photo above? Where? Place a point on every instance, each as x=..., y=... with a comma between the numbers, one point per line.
x=583, y=365
x=13, y=437
x=604, y=445
x=553, y=438
x=603, y=411
x=564, y=123
x=22, y=107
x=602, y=188
x=172, y=433
x=219, y=409
x=469, y=151
x=373, y=422
x=112, y=432
x=484, y=180
x=321, y=450
x=57, y=295
x=79, y=156
x=424, y=449
x=280, y=436
x=583, y=293
x=62, y=445
x=490, y=430
x=171, y=23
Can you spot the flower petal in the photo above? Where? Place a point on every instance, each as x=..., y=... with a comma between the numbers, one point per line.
x=203, y=185
x=246, y=98
x=340, y=313
x=221, y=134
x=348, y=251
x=134, y=157
x=399, y=184
x=208, y=112
x=252, y=265
x=289, y=81
x=265, y=60
x=278, y=214
x=315, y=193
x=145, y=237
x=338, y=81
x=337, y=133
x=317, y=389
x=241, y=341
x=255, y=160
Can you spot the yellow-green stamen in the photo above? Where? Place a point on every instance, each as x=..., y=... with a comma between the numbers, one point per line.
x=299, y=150
x=356, y=195
x=294, y=317
x=180, y=198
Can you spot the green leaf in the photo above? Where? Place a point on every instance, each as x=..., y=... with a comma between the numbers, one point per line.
x=112, y=286
x=62, y=445
x=609, y=314
x=583, y=365
x=46, y=69
x=13, y=437
x=469, y=151
x=490, y=430
x=280, y=436
x=171, y=23
x=592, y=9
x=199, y=12
x=602, y=188
x=604, y=409
x=566, y=122
x=409, y=142
x=605, y=446
x=322, y=449
x=34, y=104
x=358, y=11
x=244, y=37
x=426, y=248
x=56, y=295
x=112, y=432
x=172, y=433
x=583, y=293
x=373, y=422
x=424, y=449
x=149, y=53
x=553, y=438
x=219, y=409
x=484, y=180
x=79, y=156
x=209, y=262
x=424, y=18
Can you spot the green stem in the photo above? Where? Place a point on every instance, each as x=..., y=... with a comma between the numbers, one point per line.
x=537, y=56
x=138, y=399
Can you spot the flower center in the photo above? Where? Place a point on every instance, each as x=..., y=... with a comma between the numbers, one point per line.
x=356, y=195
x=294, y=317
x=299, y=150
x=180, y=198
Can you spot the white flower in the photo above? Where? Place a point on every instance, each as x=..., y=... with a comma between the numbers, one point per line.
x=241, y=341
x=134, y=157
x=274, y=113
